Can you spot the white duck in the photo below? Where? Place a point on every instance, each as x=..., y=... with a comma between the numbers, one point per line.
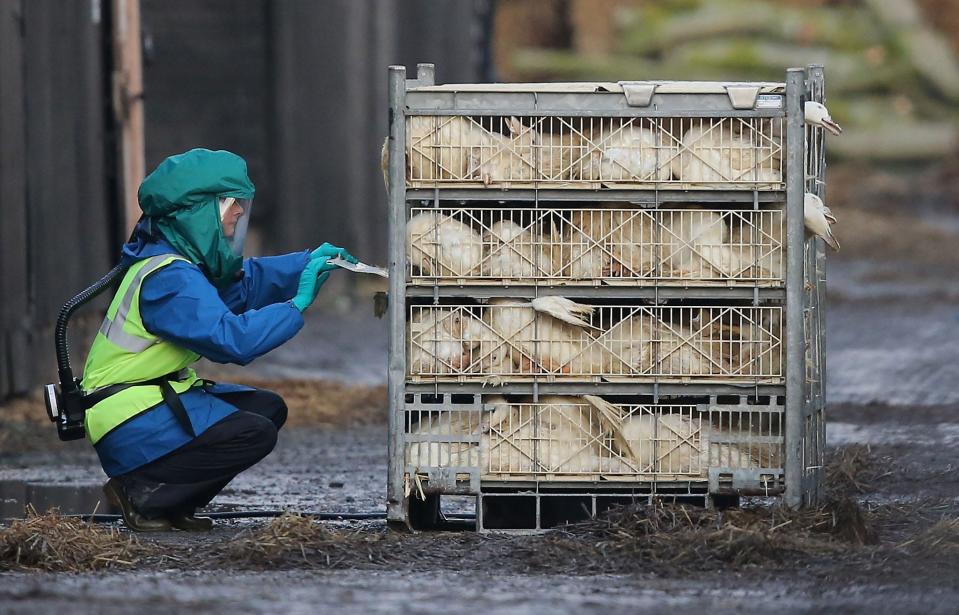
x=560, y=434
x=440, y=245
x=696, y=242
x=717, y=153
x=629, y=152
x=493, y=157
x=515, y=252
x=435, y=342
x=548, y=333
x=818, y=115
x=819, y=219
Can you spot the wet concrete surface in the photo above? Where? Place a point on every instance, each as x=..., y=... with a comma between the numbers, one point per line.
x=310, y=470
x=343, y=470
x=340, y=341
x=893, y=335
x=347, y=592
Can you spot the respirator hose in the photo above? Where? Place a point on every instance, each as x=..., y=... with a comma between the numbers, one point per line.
x=60, y=333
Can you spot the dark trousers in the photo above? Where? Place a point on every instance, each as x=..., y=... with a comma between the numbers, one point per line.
x=189, y=477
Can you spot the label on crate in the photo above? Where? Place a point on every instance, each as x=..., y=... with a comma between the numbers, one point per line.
x=769, y=101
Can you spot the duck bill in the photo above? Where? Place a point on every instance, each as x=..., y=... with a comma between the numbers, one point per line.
x=832, y=127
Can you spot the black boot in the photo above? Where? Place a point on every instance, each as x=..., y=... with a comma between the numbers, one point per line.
x=189, y=522
x=134, y=520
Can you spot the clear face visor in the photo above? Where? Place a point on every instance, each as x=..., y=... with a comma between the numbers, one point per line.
x=234, y=220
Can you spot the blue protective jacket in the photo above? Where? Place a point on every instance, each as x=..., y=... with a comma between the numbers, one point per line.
x=235, y=325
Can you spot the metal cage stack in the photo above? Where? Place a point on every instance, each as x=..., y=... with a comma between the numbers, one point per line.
x=602, y=292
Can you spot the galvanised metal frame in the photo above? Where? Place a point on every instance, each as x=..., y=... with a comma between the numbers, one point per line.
x=804, y=384
x=814, y=311
x=638, y=197
x=647, y=291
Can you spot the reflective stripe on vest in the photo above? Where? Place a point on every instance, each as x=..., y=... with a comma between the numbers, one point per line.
x=125, y=352
x=112, y=329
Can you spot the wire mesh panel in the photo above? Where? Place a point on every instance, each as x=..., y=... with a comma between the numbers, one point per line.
x=587, y=437
x=814, y=301
x=525, y=156
x=588, y=152
x=512, y=339
x=589, y=246
x=441, y=437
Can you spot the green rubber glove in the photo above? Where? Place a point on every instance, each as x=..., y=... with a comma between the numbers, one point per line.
x=328, y=251
x=311, y=280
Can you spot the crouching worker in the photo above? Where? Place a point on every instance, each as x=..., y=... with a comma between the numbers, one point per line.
x=168, y=440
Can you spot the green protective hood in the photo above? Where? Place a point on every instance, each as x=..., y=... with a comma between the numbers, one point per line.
x=180, y=195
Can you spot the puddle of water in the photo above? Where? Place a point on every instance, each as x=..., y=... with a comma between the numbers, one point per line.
x=842, y=434
x=892, y=353
x=71, y=499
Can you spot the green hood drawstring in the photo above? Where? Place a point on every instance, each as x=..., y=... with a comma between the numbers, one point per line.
x=181, y=198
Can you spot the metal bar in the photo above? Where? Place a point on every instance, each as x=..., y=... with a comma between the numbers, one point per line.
x=795, y=368
x=585, y=488
x=426, y=73
x=396, y=376
x=668, y=194
x=666, y=389
x=581, y=104
x=482, y=291
x=818, y=77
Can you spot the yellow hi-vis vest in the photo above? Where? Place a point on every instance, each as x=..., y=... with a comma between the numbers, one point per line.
x=125, y=352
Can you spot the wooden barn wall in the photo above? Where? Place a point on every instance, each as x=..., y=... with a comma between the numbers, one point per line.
x=56, y=213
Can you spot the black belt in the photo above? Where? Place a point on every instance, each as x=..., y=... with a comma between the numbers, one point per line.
x=170, y=397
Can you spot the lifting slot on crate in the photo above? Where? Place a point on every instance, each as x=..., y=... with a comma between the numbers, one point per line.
x=638, y=93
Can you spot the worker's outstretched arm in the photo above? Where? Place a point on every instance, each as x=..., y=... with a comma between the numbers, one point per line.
x=266, y=280
x=179, y=304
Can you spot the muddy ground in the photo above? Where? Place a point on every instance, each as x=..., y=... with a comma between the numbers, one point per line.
x=911, y=482
x=893, y=326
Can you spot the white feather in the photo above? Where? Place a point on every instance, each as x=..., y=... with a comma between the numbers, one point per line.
x=718, y=154
x=533, y=342
x=818, y=219
x=816, y=114
x=443, y=246
x=629, y=153
x=515, y=252
x=564, y=309
x=498, y=158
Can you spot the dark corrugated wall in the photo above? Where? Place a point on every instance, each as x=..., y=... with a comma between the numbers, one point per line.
x=299, y=89
x=14, y=306
x=331, y=85
x=206, y=75
x=57, y=217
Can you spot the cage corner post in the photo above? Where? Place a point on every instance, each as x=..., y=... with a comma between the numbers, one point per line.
x=397, y=506
x=815, y=414
x=426, y=73
x=795, y=366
